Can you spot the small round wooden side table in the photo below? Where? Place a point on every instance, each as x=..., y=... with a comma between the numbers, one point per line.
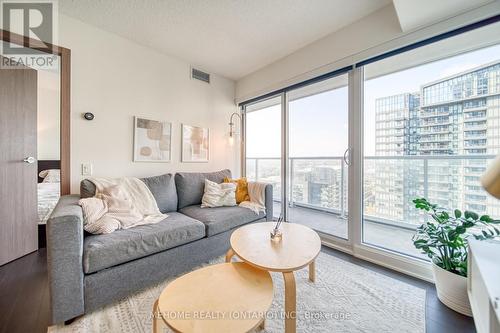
x=297, y=249
x=228, y=297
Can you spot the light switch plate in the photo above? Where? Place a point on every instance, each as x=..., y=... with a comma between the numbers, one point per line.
x=86, y=169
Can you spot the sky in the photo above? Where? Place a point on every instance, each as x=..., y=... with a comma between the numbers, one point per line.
x=318, y=123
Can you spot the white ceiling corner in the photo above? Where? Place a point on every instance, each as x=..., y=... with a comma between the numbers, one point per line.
x=413, y=14
x=232, y=38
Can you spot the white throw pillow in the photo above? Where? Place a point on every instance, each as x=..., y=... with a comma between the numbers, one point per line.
x=218, y=195
x=50, y=176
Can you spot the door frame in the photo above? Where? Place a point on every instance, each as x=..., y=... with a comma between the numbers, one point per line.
x=65, y=98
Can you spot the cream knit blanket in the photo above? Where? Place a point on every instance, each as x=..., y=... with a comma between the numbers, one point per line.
x=257, y=193
x=119, y=203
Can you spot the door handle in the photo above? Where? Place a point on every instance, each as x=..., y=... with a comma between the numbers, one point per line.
x=29, y=160
x=347, y=156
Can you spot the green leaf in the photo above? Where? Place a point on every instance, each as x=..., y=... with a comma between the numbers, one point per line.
x=471, y=215
x=485, y=218
x=444, y=238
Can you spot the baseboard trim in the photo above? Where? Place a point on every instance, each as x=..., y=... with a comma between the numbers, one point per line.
x=340, y=247
x=408, y=266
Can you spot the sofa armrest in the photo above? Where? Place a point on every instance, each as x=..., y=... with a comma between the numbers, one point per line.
x=64, y=259
x=269, y=202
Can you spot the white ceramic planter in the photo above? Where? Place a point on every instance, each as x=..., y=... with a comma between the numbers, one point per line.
x=452, y=290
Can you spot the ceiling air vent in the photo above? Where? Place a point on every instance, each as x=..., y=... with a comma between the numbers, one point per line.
x=200, y=75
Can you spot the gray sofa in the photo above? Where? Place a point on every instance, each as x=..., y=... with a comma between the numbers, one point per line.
x=88, y=271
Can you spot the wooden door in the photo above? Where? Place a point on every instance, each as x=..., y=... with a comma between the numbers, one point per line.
x=18, y=181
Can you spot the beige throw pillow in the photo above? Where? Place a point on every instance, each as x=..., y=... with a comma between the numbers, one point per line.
x=50, y=176
x=218, y=195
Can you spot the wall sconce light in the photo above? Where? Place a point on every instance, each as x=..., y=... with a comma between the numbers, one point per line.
x=232, y=131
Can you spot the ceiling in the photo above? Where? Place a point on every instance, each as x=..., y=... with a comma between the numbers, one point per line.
x=413, y=14
x=229, y=37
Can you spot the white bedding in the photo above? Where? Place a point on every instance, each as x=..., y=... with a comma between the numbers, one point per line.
x=48, y=195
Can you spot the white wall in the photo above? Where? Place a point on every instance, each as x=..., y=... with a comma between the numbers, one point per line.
x=116, y=80
x=375, y=34
x=48, y=143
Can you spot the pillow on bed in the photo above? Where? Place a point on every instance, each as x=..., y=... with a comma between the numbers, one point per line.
x=50, y=176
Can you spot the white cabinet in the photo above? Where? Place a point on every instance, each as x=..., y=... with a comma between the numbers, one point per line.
x=483, y=284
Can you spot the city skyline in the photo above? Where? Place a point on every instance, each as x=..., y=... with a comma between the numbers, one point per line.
x=316, y=130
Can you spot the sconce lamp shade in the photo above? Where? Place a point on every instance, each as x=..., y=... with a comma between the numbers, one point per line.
x=232, y=131
x=491, y=178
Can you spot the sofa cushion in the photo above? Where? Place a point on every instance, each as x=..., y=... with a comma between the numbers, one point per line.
x=103, y=251
x=221, y=219
x=163, y=189
x=87, y=189
x=190, y=185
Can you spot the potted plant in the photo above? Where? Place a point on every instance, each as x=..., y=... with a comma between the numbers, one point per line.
x=444, y=240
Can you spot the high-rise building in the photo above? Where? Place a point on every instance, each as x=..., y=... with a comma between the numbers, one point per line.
x=318, y=183
x=396, y=131
x=396, y=124
x=321, y=182
x=460, y=115
x=456, y=115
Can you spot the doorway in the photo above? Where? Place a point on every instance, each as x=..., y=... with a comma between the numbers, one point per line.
x=36, y=169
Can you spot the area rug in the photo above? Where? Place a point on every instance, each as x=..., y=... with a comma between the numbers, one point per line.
x=344, y=298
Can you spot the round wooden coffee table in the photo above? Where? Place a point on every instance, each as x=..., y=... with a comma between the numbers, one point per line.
x=228, y=297
x=297, y=249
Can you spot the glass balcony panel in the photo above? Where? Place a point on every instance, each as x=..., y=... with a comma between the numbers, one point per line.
x=269, y=171
x=263, y=144
x=319, y=194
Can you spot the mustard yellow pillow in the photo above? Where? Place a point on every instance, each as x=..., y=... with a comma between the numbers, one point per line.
x=241, y=188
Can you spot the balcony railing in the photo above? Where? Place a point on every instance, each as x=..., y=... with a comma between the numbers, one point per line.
x=390, y=183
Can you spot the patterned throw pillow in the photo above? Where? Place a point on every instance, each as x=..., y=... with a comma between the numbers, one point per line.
x=241, y=189
x=218, y=195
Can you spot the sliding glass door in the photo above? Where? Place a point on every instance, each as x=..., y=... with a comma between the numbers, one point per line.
x=298, y=142
x=263, y=145
x=318, y=140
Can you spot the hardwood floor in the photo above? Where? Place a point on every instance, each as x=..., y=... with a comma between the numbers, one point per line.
x=24, y=296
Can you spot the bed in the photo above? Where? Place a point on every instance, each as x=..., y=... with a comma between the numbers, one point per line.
x=48, y=196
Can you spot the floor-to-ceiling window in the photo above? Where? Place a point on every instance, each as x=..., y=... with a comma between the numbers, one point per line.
x=431, y=125
x=430, y=120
